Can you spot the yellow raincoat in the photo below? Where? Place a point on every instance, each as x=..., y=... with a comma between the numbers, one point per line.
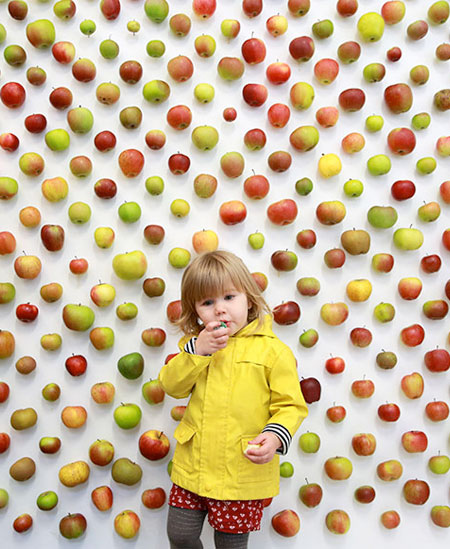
x=235, y=393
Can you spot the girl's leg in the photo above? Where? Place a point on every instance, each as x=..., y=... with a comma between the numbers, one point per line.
x=184, y=527
x=223, y=540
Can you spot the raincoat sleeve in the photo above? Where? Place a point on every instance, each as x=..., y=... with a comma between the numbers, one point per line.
x=180, y=374
x=287, y=405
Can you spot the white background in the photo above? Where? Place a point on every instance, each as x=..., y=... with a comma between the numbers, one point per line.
x=416, y=527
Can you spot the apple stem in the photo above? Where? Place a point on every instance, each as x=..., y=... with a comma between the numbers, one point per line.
x=306, y=480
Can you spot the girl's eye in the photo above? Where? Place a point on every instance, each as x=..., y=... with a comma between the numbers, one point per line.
x=208, y=302
x=228, y=297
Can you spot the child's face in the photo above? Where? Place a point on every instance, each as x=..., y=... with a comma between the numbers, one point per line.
x=230, y=307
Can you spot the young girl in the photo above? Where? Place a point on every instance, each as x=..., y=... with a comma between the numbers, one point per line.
x=245, y=405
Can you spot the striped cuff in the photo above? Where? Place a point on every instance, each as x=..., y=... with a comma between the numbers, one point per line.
x=282, y=433
x=190, y=346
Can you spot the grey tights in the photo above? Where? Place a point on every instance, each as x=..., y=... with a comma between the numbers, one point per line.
x=184, y=527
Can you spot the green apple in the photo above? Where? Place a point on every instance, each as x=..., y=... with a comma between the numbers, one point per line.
x=102, y=337
x=371, y=26
x=104, y=237
x=230, y=28
x=421, y=121
x=47, y=500
x=384, y=312
x=51, y=342
x=155, y=48
x=129, y=212
x=80, y=120
x=374, y=123
x=205, y=138
x=309, y=338
x=127, y=311
x=78, y=317
x=179, y=257
x=323, y=29
x=302, y=95
x=7, y=292
x=127, y=416
x=408, y=238
x=41, y=33
x=154, y=185
x=439, y=465
x=131, y=365
x=382, y=217
x=353, y=187
x=133, y=26
x=156, y=91
x=109, y=49
x=286, y=469
x=426, y=165
x=4, y=497
x=204, y=93
x=79, y=213
x=2, y=33
x=309, y=442
x=180, y=207
x=130, y=265
x=304, y=186
x=57, y=140
x=429, y=212
x=256, y=240
x=156, y=10
x=380, y=164
x=88, y=27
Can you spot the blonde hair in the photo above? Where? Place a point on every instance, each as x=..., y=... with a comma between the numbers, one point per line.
x=209, y=275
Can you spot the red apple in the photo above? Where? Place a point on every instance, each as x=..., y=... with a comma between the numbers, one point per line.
x=279, y=161
x=394, y=54
x=4, y=391
x=255, y=139
x=437, y=360
x=105, y=141
x=286, y=523
x=286, y=313
x=35, y=123
x=310, y=494
x=352, y=99
x=388, y=412
x=153, y=337
x=326, y=70
x=414, y=441
x=437, y=410
x=180, y=68
x=253, y=51
x=346, y=8
x=232, y=212
x=229, y=114
x=416, y=491
x=26, y=312
x=102, y=498
x=390, y=519
x=365, y=494
x=252, y=8
x=12, y=95
x=179, y=117
x=105, y=188
x=302, y=48
x=278, y=115
x=84, y=70
x=7, y=243
x=401, y=141
x=334, y=258
x=173, y=310
x=254, y=95
x=76, y=365
x=153, y=498
x=336, y=414
x=282, y=212
x=412, y=335
x=5, y=441
x=179, y=163
x=335, y=365
x=23, y=523
x=131, y=162
x=9, y=142
x=61, y=98
x=278, y=73
x=130, y=72
x=412, y=385
x=398, y=98
x=306, y=238
x=52, y=237
x=154, y=234
x=154, y=445
x=409, y=288
x=311, y=389
x=78, y=266
x=363, y=388
x=360, y=337
x=364, y=444
x=101, y=452
x=444, y=188
x=256, y=186
x=446, y=239
x=204, y=9
x=155, y=139
x=431, y=263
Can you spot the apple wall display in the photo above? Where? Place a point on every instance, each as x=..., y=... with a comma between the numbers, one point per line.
x=310, y=138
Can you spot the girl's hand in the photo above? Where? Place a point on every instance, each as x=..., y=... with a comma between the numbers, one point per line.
x=269, y=444
x=211, y=339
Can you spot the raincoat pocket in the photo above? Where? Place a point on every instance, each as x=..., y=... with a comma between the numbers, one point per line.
x=183, y=457
x=256, y=472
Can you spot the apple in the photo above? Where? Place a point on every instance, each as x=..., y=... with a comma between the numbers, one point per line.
x=363, y=388
x=179, y=163
x=253, y=51
x=9, y=142
x=23, y=523
x=177, y=412
x=408, y=238
x=323, y=28
x=311, y=389
x=388, y=412
x=284, y=260
x=153, y=498
x=78, y=317
x=417, y=30
x=286, y=313
x=103, y=392
x=84, y=70
x=76, y=365
x=255, y=95
x=439, y=465
x=437, y=360
x=252, y=8
x=78, y=265
x=5, y=441
x=431, y=263
x=101, y=452
x=437, y=410
x=102, y=497
x=336, y=414
x=154, y=286
x=416, y=491
x=126, y=311
x=419, y=74
x=398, y=98
x=229, y=114
x=302, y=95
x=334, y=313
x=334, y=258
x=102, y=338
x=156, y=10
x=173, y=310
x=364, y=494
x=347, y=8
x=352, y=99
x=429, y=212
x=261, y=280
x=393, y=12
x=153, y=337
x=309, y=442
x=51, y=392
x=154, y=445
x=277, y=25
x=65, y=9
x=337, y=521
x=446, y=239
x=308, y=338
x=286, y=523
x=326, y=70
x=353, y=142
x=383, y=262
x=338, y=468
x=74, y=417
x=73, y=525
x=308, y=286
x=46, y=501
x=409, y=288
x=441, y=100
x=359, y=289
x=153, y=392
x=389, y=470
x=230, y=68
x=371, y=27
x=412, y=385
x=390, y=519
x=104, y=237
x=127, y=524
x=180, y=24
x=27, y=267
x=80, y=166
x=205, y=241
x=36, y=76
x=302, y=48
x=278, y=115
x=304, y=138
x=155, y=139
x=440, y=514
x=310, y=494
x=49, y=445
x=25, y=365
x=232, y=212
x=179, y=257
x=131, y=365
x=180, y=68
x=127, y=415
x=230, y=28
x=442, y=52
x=412, y=335
x=435, y=309
x=335, y=365
x=279, y=161
x=31, y=164
x=386, y=360
x=364, y=444
x=349, y=52
x=306, y=238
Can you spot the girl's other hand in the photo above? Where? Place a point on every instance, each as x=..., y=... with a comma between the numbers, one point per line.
x=269, y=442
x=212, y=338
